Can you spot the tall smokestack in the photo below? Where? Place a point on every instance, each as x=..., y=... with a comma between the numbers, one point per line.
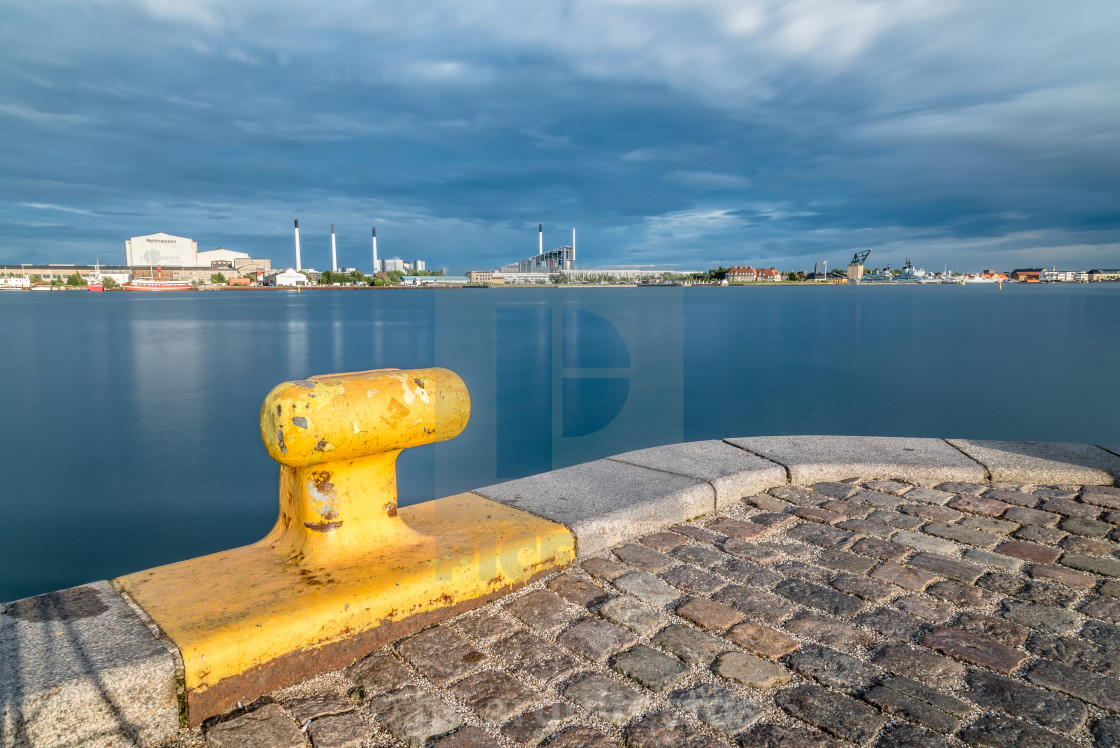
x=334, y=252
x=297, y=245
x=573, y=248
x=540, y=230
x=376, y=269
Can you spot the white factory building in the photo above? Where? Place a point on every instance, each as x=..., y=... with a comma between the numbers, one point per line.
x=161, y=249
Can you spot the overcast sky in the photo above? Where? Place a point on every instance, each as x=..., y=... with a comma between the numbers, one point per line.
x=677, y=134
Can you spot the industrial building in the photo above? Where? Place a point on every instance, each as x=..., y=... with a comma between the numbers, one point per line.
x=167, y=251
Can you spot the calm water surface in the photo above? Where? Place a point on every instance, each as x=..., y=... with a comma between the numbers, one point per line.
x=130, y=433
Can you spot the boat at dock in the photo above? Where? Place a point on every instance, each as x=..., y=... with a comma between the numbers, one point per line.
x=95, y=283
x=156, y=284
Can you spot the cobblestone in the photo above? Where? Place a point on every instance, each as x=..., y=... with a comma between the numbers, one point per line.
x=829, y=631
x=950, y=568
x=1106, y=732
x=267, y=727
x=603, y=568
x=814, y=596
x=708, y=614
x=1107, y=567
x=1041, y=617
x=750, y=671
x=543, y=610
x=647, y=588
x=605, y=697
x=628, y=612
x=539, y=723
x=649, y=667
x=596, y=639
x=577, y=591
x=919, y=663
x=761, y=640
x=693, y=579
x=927, y=618
x=493, y=695
x=1071, y=508
x=717, y=707
x=977, y=650
x=690, y=645
x=840, y=715
x=413, y=716
x=998, y=731
x=347, y=730
x=641, y=557
x=833, y=669
x=663, y=730
x=737, y=528
x=442, y=654
x=466, y=737
x=990, y=691
x=1039, y=554
x=1005, y=632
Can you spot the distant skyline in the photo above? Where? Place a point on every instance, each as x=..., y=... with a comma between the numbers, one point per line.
x=670, y=134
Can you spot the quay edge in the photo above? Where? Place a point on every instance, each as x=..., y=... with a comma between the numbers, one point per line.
x=80, y=667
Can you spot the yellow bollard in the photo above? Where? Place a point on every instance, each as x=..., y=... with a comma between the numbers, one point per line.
x=343, y=571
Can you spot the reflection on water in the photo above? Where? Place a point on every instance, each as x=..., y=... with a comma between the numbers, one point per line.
x=131, y=434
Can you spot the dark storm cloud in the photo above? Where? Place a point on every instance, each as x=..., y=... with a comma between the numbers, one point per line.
x=670, y=133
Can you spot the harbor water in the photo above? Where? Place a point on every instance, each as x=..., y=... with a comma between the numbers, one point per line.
x=130, y=421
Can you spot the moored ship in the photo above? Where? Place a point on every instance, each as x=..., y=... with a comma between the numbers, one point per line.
x=156, y=284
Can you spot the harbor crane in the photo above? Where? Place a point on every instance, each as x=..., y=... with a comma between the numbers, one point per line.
x=855, y=267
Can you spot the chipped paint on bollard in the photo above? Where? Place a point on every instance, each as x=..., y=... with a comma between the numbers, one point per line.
x=343, y=571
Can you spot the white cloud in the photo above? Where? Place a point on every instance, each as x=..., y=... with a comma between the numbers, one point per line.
x=706, y=181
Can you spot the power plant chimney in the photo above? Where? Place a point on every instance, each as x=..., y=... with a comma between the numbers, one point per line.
x=297, y=245
x=376, y=269
x=540, y=230
x=334, y=252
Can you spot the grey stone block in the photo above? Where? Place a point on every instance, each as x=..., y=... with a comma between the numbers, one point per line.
x=1050, y=463
x=812, y=459
x=732, y=472
x=605, y=502
x=77, y=666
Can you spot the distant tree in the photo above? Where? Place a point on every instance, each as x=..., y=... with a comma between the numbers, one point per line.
x=218, y=279
x=75, y=280
x=326, y=278
x=791, y=277
x=718, y=273
x=357, y=276
x=108, y=282
x=375, y=281
x=395, y=277
x=36, y=279
x=56, y=281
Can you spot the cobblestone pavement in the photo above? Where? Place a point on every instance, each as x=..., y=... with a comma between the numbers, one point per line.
x=875, y=613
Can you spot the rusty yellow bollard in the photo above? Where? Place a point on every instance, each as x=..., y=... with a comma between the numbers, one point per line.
x=343, y=571
x=337, y=438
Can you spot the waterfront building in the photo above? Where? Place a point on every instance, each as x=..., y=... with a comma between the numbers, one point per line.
x=289, y=277
x=419, y=265
x=739, y=274
x=552, y=261
x=480, y=276
x=1027, y=275
x=161, y=249
x=770, y=275
x=1103, y=274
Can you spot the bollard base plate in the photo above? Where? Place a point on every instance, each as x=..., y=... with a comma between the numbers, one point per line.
x=248, y=621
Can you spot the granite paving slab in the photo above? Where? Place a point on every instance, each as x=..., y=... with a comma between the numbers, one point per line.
x=607, y=502
x=811, y=459
x=1049, y=463
x=79, y=666
x=732, y=472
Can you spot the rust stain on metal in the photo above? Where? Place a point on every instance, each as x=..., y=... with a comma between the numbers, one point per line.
x=323, y=526
x=397, y=413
